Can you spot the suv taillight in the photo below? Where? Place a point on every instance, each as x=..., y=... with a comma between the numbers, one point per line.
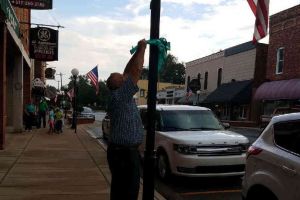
x=253, y=150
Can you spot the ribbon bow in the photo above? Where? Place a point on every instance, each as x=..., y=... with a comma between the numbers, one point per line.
x=163, y=46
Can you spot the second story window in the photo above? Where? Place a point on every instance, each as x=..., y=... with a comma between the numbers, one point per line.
x=199, y=80
x=205, y=80
x=280, y=60
x=219, y=77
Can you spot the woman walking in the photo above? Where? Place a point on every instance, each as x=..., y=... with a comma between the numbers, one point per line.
x=29, y=115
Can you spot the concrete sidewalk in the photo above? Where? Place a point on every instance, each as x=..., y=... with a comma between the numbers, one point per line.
x=39, y=166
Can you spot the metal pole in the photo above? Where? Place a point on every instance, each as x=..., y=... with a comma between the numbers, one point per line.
x=149, y=164
x=61, y=80
x=58, y=85
x=74, y=103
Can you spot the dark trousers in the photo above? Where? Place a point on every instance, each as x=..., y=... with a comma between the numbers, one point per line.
x=58, y=126
x=124, y=166
x=28, y=121
x=42, y=115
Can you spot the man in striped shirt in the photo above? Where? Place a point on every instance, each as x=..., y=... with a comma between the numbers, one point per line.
x=126, y=129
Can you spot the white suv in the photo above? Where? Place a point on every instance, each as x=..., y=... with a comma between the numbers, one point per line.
x=273, y=161
x=191, y=141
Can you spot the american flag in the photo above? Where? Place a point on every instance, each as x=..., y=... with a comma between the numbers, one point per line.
x=260, y=9
x=70, y=93
x=93, y=76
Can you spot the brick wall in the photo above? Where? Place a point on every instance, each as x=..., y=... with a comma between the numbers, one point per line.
x=24, y=18
x=39, y=70
x=285, y=32
x=260, y=64
x=26, y=85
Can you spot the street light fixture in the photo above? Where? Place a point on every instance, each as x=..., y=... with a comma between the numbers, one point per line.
x=74, y=73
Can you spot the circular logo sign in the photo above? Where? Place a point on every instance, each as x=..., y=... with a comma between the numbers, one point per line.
x=44, y=34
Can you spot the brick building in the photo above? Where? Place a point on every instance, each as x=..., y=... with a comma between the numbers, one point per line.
x=17, y=70
x=15, y=67
x=282, y=88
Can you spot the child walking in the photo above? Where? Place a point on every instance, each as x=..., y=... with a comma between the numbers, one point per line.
x=51, y=120
x=58, y=121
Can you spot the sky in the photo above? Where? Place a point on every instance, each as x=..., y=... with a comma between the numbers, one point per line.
x=102, y=32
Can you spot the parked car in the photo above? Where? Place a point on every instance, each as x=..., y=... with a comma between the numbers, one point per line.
x=106, y=127
x=273, y=161
x=265, y=119
x=87, y=113
x=190, y=141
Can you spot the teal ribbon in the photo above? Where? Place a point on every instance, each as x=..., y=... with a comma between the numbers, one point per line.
x=163, y=45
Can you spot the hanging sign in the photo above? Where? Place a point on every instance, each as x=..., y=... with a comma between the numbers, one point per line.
x=50, y=73
x=33, y=4
x=44, y=44
x=37, y=82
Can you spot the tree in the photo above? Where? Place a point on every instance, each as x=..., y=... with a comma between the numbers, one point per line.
x=87, y=94
x=144, y=74
x=103, y=96
x=173, y=72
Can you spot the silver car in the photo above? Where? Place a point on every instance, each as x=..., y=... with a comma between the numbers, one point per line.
x=273, y=161
x=190, y=141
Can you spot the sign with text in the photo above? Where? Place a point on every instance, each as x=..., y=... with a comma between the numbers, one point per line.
x=33, y=4
x=44, y=44
x=10, y=14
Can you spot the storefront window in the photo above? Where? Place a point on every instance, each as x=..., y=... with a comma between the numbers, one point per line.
x=243, y=112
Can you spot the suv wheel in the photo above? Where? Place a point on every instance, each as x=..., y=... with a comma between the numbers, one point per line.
x=163, y=168
x=261, y=192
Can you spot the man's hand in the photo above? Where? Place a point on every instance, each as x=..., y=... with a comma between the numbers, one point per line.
x=142, y=44
x=135, y=64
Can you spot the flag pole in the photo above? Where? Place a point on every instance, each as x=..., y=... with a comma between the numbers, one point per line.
x=149, y=160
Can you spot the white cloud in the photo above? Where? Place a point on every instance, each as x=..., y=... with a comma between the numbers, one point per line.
x=106, y=41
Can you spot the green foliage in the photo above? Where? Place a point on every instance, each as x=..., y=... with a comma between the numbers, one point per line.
x=86, y=95
x=173, y=72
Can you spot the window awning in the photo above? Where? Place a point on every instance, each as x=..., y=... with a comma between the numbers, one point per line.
x=233, y=92
x=279, y=90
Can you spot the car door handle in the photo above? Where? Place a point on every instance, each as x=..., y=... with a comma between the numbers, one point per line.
x=289, y=170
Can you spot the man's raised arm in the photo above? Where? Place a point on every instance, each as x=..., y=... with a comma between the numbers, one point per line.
x=135, y=64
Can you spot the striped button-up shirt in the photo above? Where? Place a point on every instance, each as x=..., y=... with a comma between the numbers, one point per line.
x=126, y=124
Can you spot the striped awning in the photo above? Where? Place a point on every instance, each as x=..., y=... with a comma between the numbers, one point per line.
x=279, y=90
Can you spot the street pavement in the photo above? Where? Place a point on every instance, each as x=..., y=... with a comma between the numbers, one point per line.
x=36, y=165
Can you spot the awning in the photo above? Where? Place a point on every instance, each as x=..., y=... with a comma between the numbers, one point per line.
x=233, y=92
x=279, y=90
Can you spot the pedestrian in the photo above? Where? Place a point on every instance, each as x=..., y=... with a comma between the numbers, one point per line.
x=29, y=115
x=43, y=108
x=58, y=120
x=126, y=129
x=51, y=120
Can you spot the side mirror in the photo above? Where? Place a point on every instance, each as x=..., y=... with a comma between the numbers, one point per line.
x=226, y=125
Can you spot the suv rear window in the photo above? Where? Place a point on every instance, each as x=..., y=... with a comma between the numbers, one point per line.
x=287, y=135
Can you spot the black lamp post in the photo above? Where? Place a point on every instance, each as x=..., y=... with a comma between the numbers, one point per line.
x=75, y=73
x=148, y=186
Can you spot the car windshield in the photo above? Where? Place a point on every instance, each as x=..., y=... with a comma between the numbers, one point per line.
x=192, y=120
